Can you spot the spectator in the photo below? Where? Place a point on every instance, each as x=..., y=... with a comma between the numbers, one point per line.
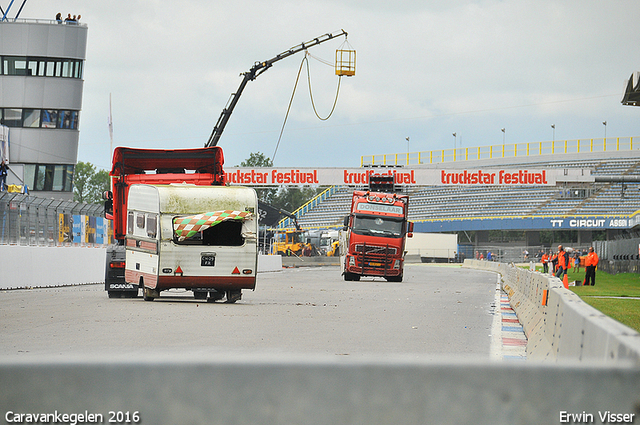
x=576, y=261
x=489, y=256
x=545, y=262
x=59, y=18
x=590, y=264
x=563, y=262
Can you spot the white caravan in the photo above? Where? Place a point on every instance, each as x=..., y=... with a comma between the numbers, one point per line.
x=201, y=238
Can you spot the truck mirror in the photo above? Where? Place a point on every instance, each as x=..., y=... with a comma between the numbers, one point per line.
x=346, y=223
x=410, y=229
x=108, y=202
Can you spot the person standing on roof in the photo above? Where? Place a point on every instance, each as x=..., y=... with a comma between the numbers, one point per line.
x=590, y=262
x=563, y=262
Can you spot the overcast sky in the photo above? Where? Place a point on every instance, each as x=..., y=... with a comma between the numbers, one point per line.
x=425, y=69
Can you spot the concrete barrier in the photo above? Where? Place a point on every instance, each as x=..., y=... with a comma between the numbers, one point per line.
x=312, y=390
x=560, y=326
x=269, y=263
x=40, y=266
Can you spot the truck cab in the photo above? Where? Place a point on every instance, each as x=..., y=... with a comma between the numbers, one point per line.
x=372, y=241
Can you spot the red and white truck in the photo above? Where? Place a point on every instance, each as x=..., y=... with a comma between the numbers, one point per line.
x=177, y=225
x=372, y=241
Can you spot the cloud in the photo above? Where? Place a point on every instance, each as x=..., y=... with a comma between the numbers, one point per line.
x=424, y=69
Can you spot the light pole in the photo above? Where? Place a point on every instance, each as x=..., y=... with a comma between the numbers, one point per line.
x=455, y=140
x=503, y=135
x=407, y=138
x=605, y=130
x=554, y=132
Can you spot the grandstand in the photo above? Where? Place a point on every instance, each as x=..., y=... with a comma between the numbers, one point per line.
x=600, y=205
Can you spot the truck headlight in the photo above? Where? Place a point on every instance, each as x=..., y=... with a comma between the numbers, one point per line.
x=396, y=265
x=352, y=261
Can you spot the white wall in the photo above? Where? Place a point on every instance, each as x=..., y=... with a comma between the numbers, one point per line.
x=36, y=266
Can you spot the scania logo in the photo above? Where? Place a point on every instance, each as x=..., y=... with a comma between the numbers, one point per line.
x=120, y=286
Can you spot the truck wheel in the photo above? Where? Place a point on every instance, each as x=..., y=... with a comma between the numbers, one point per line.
x=149, y=294
x=115, y=294
x=200, y=295
x=215, y=296
x=233, y=296
x=351, y=276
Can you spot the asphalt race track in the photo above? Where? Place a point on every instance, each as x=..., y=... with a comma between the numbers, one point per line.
x=438, y=311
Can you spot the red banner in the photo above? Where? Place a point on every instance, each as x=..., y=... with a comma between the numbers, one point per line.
x=263, y=176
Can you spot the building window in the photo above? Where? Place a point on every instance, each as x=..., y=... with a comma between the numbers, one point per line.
x=49, y=118
x=31, y=118
x=41, y=67
x=49, y=177
x=12, y=117
x=39, y=118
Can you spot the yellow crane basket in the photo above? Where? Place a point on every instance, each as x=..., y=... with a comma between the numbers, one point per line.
x=346, y=60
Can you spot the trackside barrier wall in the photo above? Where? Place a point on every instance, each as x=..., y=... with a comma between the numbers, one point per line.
x=558, y=324
x=41, y=266
x=287, y=390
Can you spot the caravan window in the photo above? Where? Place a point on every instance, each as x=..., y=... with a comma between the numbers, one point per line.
x=227, y=233
x=152, y=225
x=140, y=220
x=130, y=222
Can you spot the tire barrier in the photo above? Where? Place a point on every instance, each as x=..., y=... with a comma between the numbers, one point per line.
x=560, y=326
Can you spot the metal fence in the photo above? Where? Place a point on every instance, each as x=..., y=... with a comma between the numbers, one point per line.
x=619, y=256
x=30, y=220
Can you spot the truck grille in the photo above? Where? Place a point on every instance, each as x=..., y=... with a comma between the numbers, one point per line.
x=375, y=250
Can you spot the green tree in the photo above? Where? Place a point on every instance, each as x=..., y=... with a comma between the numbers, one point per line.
x=89, y=183
x=258, y=159
x=288, y=198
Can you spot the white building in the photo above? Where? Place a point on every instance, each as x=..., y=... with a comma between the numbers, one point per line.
x=41, y=83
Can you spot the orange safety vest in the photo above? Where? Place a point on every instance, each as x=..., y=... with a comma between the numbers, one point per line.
x=591, y=260
x=544, y=258
x=562, y=259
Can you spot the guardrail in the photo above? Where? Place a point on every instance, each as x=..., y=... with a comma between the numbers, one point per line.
x=503, y=151
x=558, y=324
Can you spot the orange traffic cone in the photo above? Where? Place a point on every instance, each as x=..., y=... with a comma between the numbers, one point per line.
x=565, y=281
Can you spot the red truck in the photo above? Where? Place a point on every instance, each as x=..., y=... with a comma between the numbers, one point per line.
x=373, y=238
x=166, y=170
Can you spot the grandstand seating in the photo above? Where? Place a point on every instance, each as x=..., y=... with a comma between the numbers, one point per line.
x=447, y=202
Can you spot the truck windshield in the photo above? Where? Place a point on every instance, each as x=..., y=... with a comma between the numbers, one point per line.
x=294, y=238
x=377, y=226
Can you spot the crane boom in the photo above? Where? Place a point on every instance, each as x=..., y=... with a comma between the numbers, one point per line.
x=257, y=69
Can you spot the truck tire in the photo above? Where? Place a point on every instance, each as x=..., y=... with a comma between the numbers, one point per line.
x=348, y=276
x=200, y=295
x=233, y=296
x=115, y=294
x=149, y=294
x=215, y=296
